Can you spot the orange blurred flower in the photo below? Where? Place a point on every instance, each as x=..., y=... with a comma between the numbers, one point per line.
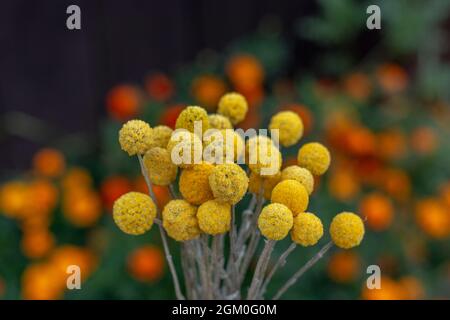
x=159, y=87
x=49, y=163
x=43, y=195
x=76, y=177
x=253, y=95
x=360, y=141
x=392, y=78
x=37, y=243
x=304, y=113
x=343, y=184
x=433, y=217
x=123, y=102
x=66, y=255
x=13, y=198
x=161, y=192
x=391, y=144
x=245, y=71
x=390, y=290
x=412, y=288
x=170, y=115
x=207, y=90
x=378, y=210
x=424, y=140
x=358, y=86
x=396, y=183
x=112, y=188
x=82, y=207
x=146, y=263
x=39, y=282
x=344, y=266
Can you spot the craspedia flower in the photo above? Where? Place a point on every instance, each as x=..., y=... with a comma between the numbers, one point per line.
x=180, y=220
x=315, y=157
x=160, y=137
x=307, y=229
x=275, y=221
x=190, y=115
x=292, y=194
x=233, y=106
x=228, y=183
x=267, y=183
x=134, y=213
x=299, y=174
x=290, y=127
x=347, y=230
x=160, y=168
x=223, y=146
x=182, y=141
x=262, y=156
x=218, y=121
x=214, y=217
x=135, y=137
x=194, y=183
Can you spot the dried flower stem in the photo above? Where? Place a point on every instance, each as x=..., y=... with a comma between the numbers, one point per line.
x=260, y=270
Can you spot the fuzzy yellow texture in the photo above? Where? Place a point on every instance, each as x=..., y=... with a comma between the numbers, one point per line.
x=135, y=137
x=189, y=116
x=134, y=213
x=218, y=121
x=261, y=152
x=180, y=220
x=275, y=221
x=160, y=168
x=292, y=194
x=315, y=157
x=214, y=217
x=347, y=230
x=233, y=106
x=194, y=183
x=299, y=174
x=231, y=145
x=160, y=136
x=290, y=127
x=185, y=140
x=307, y=229
x=268, y=183
x=228, y=183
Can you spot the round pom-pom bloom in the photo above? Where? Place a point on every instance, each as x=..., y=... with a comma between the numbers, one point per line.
x=267, y=183
x=262, y=156
x=183, y=140
x=275, y=221
x=160, y=136
x=223, y=146
x=315, y=157
x=218, y=121
x=233, y=106
x=299, y=174
x=135, y=137
x=290, y=127
x=228, y=183
x=194, y=183
x=292, y=194
x=307, y=229
x=214, y=217
x=180, y=220
x=134, y=213
x=347, y=230
x=160, y=168
x=190, y=115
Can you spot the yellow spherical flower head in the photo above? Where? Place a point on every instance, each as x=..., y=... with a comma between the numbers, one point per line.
x=218, y=121
x=180, y=220
x=262, y=156
x=189, y=116
x=315, y=157
x=160, y=168
x=135, y=137
x=307, y=229
x=347, y=230
x=214, y=217
x=181, y=141
x=267, y=183
x=160, y=136
x=228, y=183
x=290, y=127
x=233, y=106
x=299, y=174
x=275, y=221
x=134, y=213
x=224, y=146
x=292, y=194
x=194, y=183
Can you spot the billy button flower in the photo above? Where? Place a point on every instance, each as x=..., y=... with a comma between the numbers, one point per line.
x=299, y=174
x=194, y=183
x=230, y=145
x=292, y=194
x=189, y=116
x=228, y=183
x=266, y=183
x=290, y=127
x=218, y=121
x=315, y=157
x=180, y=220
x=160, y=137
x=214, y=217
x=185, y=140
x=275, y=221
x=347, y=230
x=134, y=213
x=233, y=106
x=135, y=137
x=160, y=168
x=307, y=229
x=262, y=155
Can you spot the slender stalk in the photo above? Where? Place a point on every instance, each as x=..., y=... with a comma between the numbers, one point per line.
x=172, y=191
x=169, y=259
x=186, y=274
x=302, y=270
x=260, y=270
x=208, y=289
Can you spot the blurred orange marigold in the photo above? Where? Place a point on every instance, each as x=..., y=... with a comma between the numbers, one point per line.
x=378, y=210
x=49, y=163
x=146, y=263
